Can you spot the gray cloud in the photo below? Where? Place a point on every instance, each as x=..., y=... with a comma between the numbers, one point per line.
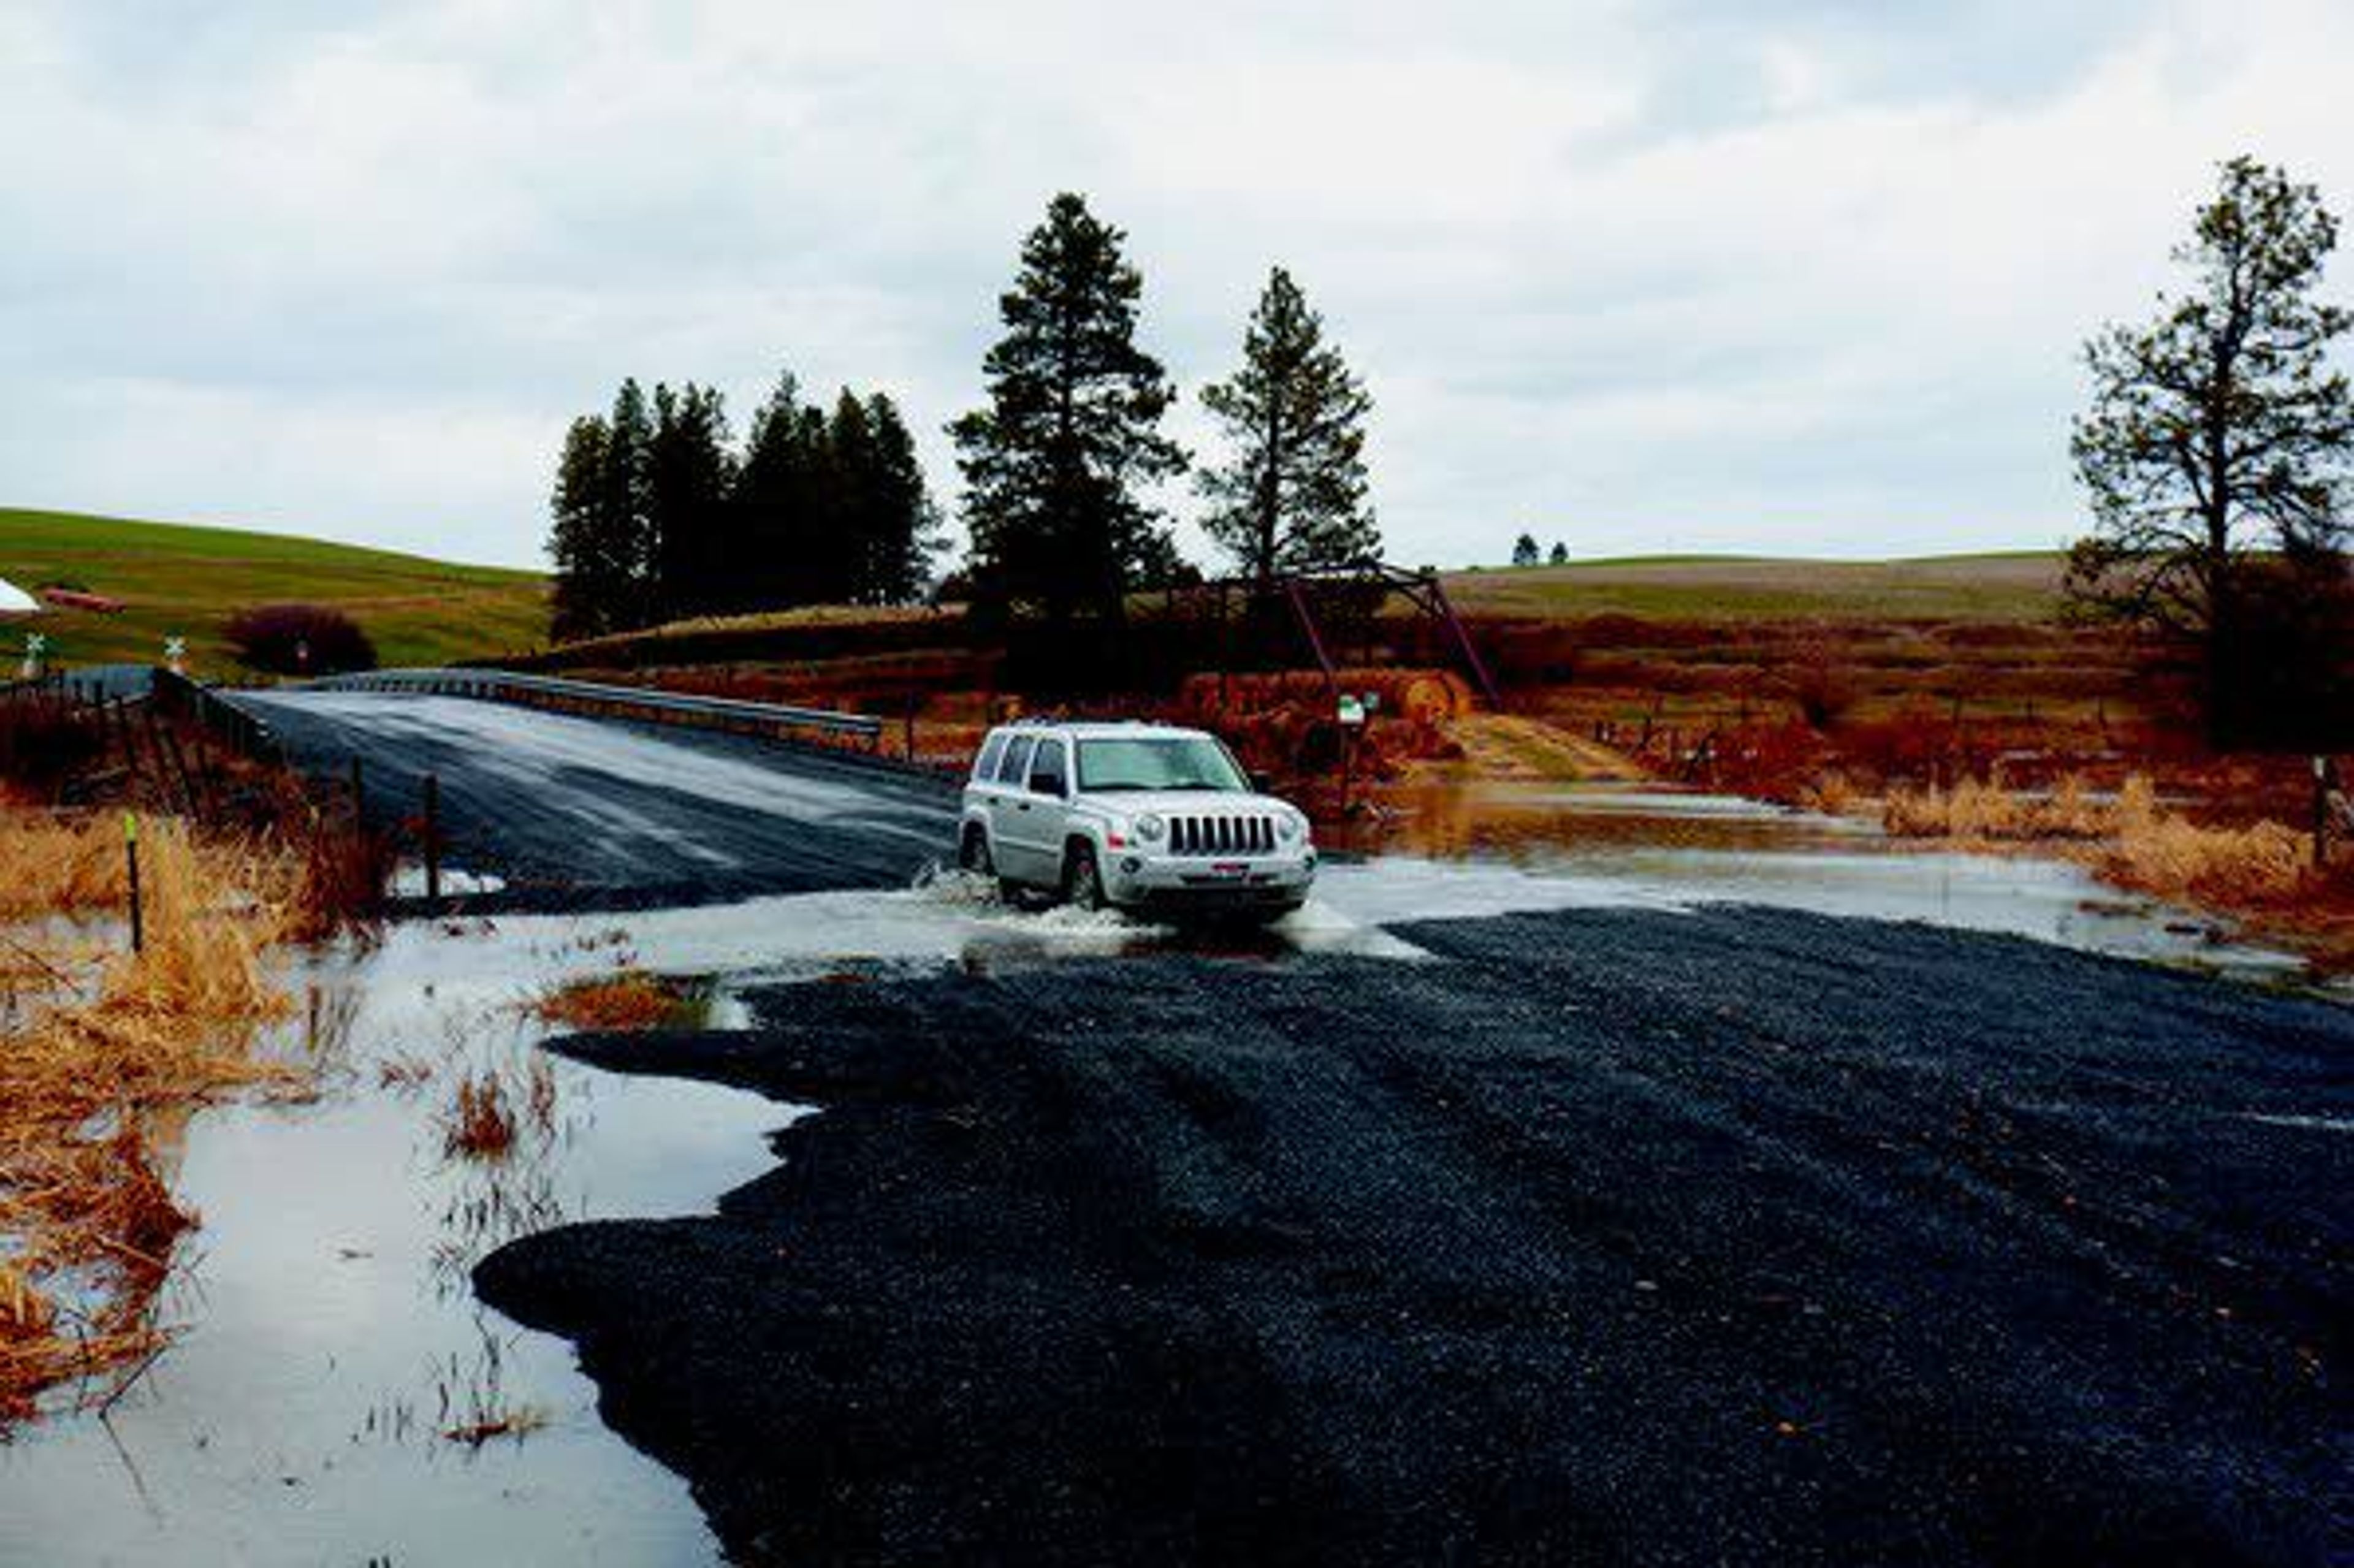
x=1802, y=277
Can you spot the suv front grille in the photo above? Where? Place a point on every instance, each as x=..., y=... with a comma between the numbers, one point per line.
x=1221, y=835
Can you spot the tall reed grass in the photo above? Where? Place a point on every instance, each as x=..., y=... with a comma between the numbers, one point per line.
x=116, y=1042
x=2131, y=838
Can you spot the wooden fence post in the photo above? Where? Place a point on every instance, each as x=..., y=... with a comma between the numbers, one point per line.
x=2321, y=812
x=432, y=837
x=131, y=856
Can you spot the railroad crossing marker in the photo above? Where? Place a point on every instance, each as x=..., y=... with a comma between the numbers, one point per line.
x=35, y=644
x=175, y=654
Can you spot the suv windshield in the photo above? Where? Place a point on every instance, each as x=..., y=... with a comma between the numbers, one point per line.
x=1158, y=762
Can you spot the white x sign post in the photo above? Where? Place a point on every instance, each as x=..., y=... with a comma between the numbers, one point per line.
x=175, y=654
x=34, y=644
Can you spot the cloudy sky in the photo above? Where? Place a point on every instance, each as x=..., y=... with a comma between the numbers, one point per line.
x=1801, y=276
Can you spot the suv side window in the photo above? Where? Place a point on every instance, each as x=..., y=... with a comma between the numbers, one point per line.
x=1050, y=771
x=985, y=767
x=1015, y=766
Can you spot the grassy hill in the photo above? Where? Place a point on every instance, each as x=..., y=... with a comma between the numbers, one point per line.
x=2021, y=587
x=178, y=579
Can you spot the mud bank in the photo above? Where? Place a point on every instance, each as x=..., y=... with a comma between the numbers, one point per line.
x=1614, y=1235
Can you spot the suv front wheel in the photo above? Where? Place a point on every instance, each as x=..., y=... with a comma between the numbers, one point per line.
x=1083, y=879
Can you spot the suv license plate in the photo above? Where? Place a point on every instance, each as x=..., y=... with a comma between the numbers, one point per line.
x=1236, y=868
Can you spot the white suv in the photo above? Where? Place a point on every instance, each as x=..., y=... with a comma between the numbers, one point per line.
x=1139, y=816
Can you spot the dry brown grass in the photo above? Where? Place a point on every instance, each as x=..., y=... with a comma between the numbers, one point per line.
x=1980, y=812
x=632, y=999
x=2261, y=871
x=2263, y=863
x=98, y=1049
x=479, y=1124
x=1833, y=794
x=57, y=863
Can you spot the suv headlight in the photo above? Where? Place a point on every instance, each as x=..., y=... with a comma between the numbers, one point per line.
x=1291, y=827
x=1150, y=828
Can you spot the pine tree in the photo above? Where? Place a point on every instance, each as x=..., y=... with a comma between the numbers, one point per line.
x=690, y=478
x=898, y=527
x=1293, y=496
x=1053, y=464
x=591, y=587
x=624, y=514
x=782, y=501
x=2218, y=450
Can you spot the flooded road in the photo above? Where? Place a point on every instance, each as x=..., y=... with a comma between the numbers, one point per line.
x=331, y=1341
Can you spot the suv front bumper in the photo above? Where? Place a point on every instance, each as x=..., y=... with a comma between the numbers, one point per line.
x=1279, y=881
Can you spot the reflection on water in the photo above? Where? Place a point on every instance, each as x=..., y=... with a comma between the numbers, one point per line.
x=1538, y=823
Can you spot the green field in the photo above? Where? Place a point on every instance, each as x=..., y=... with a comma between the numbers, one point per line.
x=177, y=579
x=2023, y=587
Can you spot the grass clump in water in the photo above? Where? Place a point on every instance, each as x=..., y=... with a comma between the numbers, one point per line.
x=631, y=999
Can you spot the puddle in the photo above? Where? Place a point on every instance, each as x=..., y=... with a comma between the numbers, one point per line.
x=332, y=1337
x=1463, y=851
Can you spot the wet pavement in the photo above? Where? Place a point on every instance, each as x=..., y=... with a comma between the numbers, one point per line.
x=574, y=813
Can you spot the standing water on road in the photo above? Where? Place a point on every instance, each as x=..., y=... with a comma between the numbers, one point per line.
x=1470, y=850
x=337, y=1394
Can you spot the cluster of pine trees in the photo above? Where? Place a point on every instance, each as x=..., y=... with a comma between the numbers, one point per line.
x=657, y=516
x=1058, y=466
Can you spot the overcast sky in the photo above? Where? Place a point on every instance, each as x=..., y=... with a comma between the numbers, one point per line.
x=1802, y=277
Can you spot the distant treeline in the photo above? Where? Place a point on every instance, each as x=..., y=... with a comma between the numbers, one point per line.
x=657, y=517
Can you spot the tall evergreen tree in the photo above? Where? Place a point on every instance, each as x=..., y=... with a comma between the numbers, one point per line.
x=690, y=476
x=782, y=501
x=904, y=530
x=625, y=510
x=853, y=502
x=1293, y=494
x=592, y=586
x=1052, y=466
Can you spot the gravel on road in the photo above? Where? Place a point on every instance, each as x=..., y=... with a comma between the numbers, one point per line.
x=1731, y=1235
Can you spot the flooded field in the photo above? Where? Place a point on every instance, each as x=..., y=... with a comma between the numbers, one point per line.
x=336, y=1394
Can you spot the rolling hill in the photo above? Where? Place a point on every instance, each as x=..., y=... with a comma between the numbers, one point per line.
x=179, y=579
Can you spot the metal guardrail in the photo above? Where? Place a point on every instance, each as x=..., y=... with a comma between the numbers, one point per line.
x=590, y=697
x=223, y=719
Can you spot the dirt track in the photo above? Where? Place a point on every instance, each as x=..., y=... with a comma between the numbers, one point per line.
x=1619, y=1236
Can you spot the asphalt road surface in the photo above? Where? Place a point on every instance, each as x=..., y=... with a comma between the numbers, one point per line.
x=571, y=812
x=1604, y=1235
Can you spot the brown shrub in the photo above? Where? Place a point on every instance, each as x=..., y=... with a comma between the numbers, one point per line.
x=44, y=742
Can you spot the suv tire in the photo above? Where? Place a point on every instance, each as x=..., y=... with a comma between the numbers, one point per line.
x=1082, y=878
x=972, y=852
